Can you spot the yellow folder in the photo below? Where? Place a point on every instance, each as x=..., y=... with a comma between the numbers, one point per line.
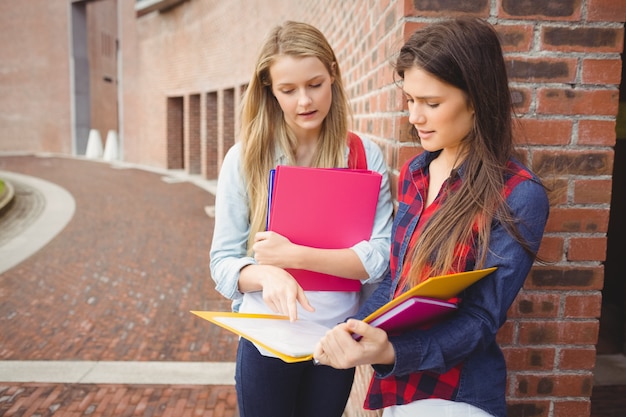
x=295, y=341
x=290, y=341
x=442, y=287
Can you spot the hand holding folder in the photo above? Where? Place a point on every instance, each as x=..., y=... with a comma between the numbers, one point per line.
x=295, y=341
x=327, y=208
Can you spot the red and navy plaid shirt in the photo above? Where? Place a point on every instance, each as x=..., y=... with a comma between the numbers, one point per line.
x=409, y=221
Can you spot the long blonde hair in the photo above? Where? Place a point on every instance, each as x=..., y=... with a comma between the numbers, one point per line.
x=263, y=124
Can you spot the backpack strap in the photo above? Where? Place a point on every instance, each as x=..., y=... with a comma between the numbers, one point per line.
x=356, y=157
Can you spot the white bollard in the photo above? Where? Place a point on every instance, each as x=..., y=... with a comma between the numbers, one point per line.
x=110, y=147
x=94, y=145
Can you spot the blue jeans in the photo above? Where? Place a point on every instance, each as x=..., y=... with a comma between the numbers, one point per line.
x=269, y=387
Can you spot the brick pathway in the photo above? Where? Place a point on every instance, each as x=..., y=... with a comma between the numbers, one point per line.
x=116, y=400
x=116, y=284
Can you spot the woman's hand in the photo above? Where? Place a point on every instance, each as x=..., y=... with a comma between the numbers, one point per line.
x=271, y=248
x=281, y=292
x=339, y=349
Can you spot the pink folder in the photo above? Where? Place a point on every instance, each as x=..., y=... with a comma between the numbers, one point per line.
x=426, y=303
x=414, y=312
x=323, y=208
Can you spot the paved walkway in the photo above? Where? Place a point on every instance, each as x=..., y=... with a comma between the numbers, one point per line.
x=100, y=265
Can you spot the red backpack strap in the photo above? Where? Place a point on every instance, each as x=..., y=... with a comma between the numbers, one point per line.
x=356, y=158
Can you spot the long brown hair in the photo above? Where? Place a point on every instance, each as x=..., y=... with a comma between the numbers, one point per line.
x=466, y=54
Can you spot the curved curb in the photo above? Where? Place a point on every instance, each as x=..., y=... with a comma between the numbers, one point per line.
x=57, y=213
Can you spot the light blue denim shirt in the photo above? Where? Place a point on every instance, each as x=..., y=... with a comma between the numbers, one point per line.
x=228, y=253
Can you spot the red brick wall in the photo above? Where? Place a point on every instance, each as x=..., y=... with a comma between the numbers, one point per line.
x=34, y=77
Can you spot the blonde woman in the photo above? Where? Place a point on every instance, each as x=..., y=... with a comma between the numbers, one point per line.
x=295, y=112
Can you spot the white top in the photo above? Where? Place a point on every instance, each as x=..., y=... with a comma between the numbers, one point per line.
x=229, y=246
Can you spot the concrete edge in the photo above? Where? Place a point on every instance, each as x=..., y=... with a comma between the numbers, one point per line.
x=118, y=372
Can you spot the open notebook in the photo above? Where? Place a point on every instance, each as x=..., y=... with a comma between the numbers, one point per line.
x=295, y=341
